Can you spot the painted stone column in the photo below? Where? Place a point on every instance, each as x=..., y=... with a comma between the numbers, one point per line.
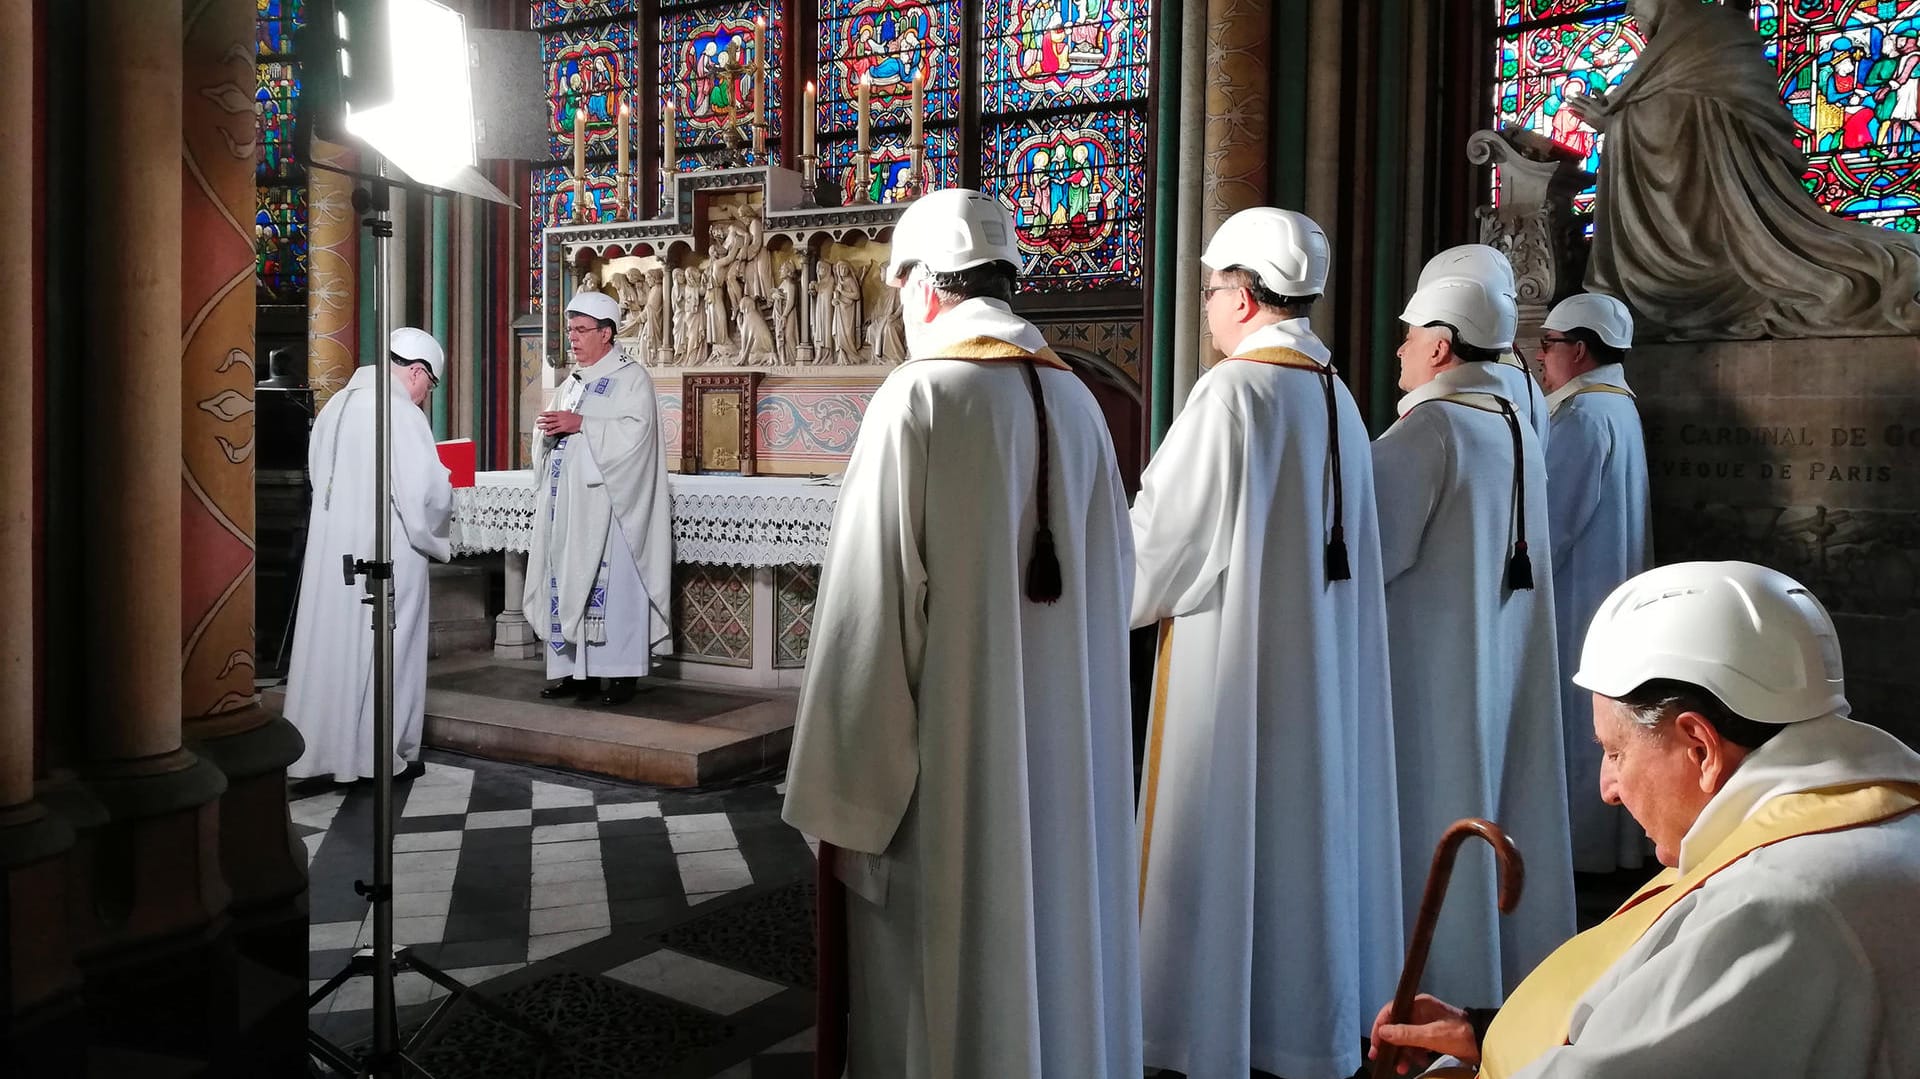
x=154, y=971
x=333, y=266
x=36, y=957
x=1239, y=39
x=224, y=722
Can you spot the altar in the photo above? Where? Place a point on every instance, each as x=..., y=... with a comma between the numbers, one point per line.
x=747, y=554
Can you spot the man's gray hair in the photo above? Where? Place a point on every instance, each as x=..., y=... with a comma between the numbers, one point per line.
x=1655, y=704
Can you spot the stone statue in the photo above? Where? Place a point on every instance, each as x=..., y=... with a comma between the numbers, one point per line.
x=887, y=329
x=626, y=289
x=756, y=337
x=588, y=283
x=654, y=304
x=786, y=311
x=719, y=330
x=1701, y=224
x=821, y=324
x=693, y=321
x=846, y=315
x=756, y=261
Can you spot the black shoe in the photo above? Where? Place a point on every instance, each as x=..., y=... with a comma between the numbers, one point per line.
x=413, y=770
x=578, y=688
x=620, y=690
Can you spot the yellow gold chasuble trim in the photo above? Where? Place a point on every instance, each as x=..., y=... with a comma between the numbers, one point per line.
x=1156, y=733
x=990, y=349
x=1282, y=357
x=1536, y=1018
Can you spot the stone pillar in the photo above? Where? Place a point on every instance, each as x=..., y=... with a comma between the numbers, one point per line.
x=512, y=635
x=37, y=973
x=224, y=722
x=154, y=974
x=1189, y=329
x=333, y=268
x=1239, y=89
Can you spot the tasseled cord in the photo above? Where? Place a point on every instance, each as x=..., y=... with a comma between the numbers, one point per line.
x=1043, y=566
x=1519, y=566
x=1337, y=566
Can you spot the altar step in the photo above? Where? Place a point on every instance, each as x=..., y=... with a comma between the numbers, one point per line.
x=673, y=734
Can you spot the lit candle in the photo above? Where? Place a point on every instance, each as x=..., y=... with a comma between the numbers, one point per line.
x=669, y=160
x=579, y=135
x=807, y=122
x=919, y=103
x=620, y=170
x=860, y=120
x=760, y=85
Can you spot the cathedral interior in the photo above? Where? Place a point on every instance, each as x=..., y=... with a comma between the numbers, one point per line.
x=730, y=172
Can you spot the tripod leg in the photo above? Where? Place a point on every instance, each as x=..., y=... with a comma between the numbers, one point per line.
x=333, y=983
x=331, y=1056
x=457, y=990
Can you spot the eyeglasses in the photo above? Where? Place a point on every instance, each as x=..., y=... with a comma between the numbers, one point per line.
x=1206, y=294
x=571, y=330
x=1549, y=342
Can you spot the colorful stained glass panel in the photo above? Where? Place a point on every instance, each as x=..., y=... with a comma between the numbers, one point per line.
x=889, y=164
x=555, y=12
x=887, y=41
x=280, y=244
x=708, y=70
x=589, y=68
x=1531, y=10
x=1077, y=192
x=276, y=99
x=1047, y=53
x=551, y=203
x=274, y=24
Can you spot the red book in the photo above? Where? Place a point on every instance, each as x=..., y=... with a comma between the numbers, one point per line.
x=458, y=456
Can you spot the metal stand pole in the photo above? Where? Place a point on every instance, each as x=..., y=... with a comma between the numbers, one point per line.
x=385, y=1058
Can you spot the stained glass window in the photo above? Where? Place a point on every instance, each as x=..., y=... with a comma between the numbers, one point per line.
x=280, y=179
x=708, y=70
x=1063, y=140
x=1847, y=71
x=589, y=50
x=888, y=42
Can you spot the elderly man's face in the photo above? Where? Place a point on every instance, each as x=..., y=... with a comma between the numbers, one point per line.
x=1662, y=776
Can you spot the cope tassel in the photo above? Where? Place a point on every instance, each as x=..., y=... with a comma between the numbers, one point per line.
x=1519, y=568
x=1043, y=569
x=1337, y=569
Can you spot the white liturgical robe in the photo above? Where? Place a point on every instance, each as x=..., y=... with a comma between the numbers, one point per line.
x=600, y=566
x=1476, y=690
x=1528, y=399
x=1270, y=904
x=1601, y=528
x=330, y=674
x=1799, y=959
x=970, y=751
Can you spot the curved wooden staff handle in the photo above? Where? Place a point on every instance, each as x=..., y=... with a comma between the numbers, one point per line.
x=1439, y=875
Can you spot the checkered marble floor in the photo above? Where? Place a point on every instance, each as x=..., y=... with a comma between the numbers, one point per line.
x=526, y=881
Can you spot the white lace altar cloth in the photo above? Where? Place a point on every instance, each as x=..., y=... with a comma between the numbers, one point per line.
x=718, y=520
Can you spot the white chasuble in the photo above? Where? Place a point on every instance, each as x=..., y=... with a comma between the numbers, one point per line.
x=1528, y=399
x=1476, y=687
x=970, y=749
x=600, y=568
x=1597, y=506
x=1270, y=903
x=330, y=674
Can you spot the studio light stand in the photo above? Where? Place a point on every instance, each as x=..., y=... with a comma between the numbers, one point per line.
x=386, y=1057
x=392, y=77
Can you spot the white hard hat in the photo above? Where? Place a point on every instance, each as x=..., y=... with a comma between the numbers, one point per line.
x=1607, y=317
x=595, y=305
x=1753, y=637
x=1480, y=314
x=1470, y=260
x=1285, y=250
x=410, y=343
x=954, y=229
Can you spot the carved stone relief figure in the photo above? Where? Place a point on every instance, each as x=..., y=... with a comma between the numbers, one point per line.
x=887, y=329
x=756, y=337
x=626, y=290
x=693, y=320
x=821, y=324
x=654, y=304
x=588, y=283
x=786, y=312
x=756, y=260
x=846, y=315
x=719, y=333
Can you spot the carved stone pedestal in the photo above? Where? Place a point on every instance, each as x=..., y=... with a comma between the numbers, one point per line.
x=1803, y=456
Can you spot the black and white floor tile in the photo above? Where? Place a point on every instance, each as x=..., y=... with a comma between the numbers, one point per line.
x=575, y=900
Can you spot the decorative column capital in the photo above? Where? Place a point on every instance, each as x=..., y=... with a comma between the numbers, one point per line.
x=1532, y=221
